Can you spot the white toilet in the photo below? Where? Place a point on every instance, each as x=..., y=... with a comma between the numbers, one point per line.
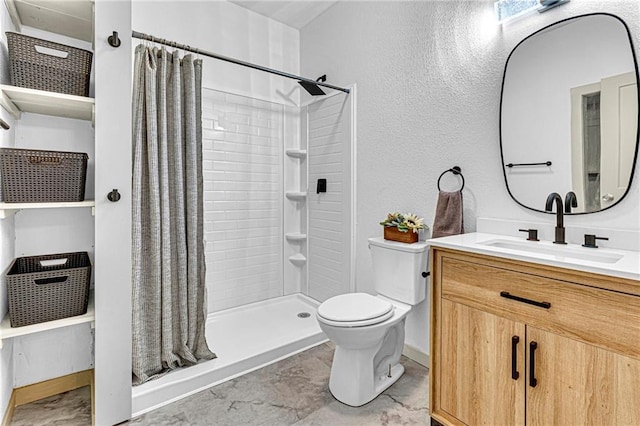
x=368, y=331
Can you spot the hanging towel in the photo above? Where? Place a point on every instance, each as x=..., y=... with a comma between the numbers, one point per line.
x=448, y=219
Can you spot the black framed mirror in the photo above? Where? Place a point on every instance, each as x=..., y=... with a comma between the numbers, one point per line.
x=569, y=114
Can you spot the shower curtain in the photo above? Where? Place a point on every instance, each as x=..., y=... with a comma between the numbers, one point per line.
x=168, y=245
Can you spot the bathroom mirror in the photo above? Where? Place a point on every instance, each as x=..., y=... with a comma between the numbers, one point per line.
x=569, y=114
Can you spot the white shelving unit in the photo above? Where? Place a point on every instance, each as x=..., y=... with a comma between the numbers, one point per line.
x=9, y=209
x=17, y=100
x=8, y=332
x=69, y=18
x=73, y=19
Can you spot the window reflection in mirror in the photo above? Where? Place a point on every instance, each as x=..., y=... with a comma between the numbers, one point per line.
x=570, y=97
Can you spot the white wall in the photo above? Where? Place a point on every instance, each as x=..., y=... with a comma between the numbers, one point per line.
x=429, y=76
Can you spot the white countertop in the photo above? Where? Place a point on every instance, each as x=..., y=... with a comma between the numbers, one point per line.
x=627, y=267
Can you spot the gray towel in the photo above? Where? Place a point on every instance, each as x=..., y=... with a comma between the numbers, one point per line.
x=448, y=220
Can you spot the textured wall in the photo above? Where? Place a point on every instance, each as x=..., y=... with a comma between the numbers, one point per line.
x=429, y=76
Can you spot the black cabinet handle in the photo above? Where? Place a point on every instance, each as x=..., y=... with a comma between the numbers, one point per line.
x=514, y=357
x=508, y=295
x=533, y=382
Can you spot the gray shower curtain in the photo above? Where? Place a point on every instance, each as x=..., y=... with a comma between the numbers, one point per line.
x=168, y=245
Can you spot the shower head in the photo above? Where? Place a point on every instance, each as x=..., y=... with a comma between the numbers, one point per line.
x=314, y=89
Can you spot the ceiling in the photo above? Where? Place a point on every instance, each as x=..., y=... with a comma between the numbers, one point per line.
x=295, y=14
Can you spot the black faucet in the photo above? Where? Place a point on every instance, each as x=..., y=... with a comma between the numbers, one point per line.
x=570, y=200
x=554, y=196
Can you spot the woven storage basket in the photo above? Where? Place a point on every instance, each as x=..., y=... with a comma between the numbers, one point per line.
x=37, y=64
x=34, y=176
x=47, y=288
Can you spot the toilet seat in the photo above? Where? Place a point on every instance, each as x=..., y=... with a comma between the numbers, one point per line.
x=355, y=310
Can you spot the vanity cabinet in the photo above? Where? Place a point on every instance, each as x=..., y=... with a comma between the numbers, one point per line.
x=521, y=343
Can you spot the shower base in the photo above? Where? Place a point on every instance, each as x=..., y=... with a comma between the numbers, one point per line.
x=245, y=338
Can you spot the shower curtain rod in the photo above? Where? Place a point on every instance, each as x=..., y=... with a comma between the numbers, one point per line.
x=143, y=36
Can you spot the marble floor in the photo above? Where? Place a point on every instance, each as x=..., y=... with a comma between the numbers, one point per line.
x=293, y=391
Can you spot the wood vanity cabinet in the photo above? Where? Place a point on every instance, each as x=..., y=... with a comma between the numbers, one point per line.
x=518, y=343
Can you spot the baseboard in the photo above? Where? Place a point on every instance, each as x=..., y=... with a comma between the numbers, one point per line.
x=8, y=415
x=416, y=355
x=37, y=391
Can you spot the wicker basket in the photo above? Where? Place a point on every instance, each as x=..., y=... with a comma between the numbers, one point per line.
x=393, y=234
x=44, y=65
x=47, y=288
x=34, y=176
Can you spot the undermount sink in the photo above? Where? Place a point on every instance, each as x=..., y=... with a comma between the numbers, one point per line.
x=565, y=252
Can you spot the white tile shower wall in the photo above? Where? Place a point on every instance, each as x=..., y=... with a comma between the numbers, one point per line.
x=242, y=167
x=329, y=152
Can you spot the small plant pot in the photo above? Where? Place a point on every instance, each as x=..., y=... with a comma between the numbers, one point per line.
x=393, y=234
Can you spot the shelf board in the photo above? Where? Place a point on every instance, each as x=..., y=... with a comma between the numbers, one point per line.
x=296, y=153
x=298, y=259
x=21, y=99
x=8, y=332
x=295, y=236
x=296, y=196
x=69, y=18
x=8, y=209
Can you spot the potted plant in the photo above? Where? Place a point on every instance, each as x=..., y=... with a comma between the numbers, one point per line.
x=402, y=227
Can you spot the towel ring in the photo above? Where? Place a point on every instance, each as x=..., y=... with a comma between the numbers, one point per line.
x=456, y=171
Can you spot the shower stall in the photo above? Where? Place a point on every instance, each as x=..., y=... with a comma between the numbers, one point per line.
x=279, y=232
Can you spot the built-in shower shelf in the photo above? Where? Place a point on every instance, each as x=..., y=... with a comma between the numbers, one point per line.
x=295, y=236
x=296, y=196
x=296, y=153
x=298, y=259
x=8, y=332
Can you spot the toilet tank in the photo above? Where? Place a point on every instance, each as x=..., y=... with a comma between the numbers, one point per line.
x=398, y=268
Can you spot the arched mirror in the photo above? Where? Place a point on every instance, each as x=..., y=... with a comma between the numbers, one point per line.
x=569, y=114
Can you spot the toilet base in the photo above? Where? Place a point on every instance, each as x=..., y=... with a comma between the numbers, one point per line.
x=345, y=374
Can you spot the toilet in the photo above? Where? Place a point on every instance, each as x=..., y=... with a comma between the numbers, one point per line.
x=368, y=330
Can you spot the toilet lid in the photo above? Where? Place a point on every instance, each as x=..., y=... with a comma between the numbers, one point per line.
x=355, y=307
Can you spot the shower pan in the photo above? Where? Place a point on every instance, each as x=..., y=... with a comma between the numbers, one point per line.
x=275, y=248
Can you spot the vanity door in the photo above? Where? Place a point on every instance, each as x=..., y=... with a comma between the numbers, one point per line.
x=482, y=356
x=570, y=382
